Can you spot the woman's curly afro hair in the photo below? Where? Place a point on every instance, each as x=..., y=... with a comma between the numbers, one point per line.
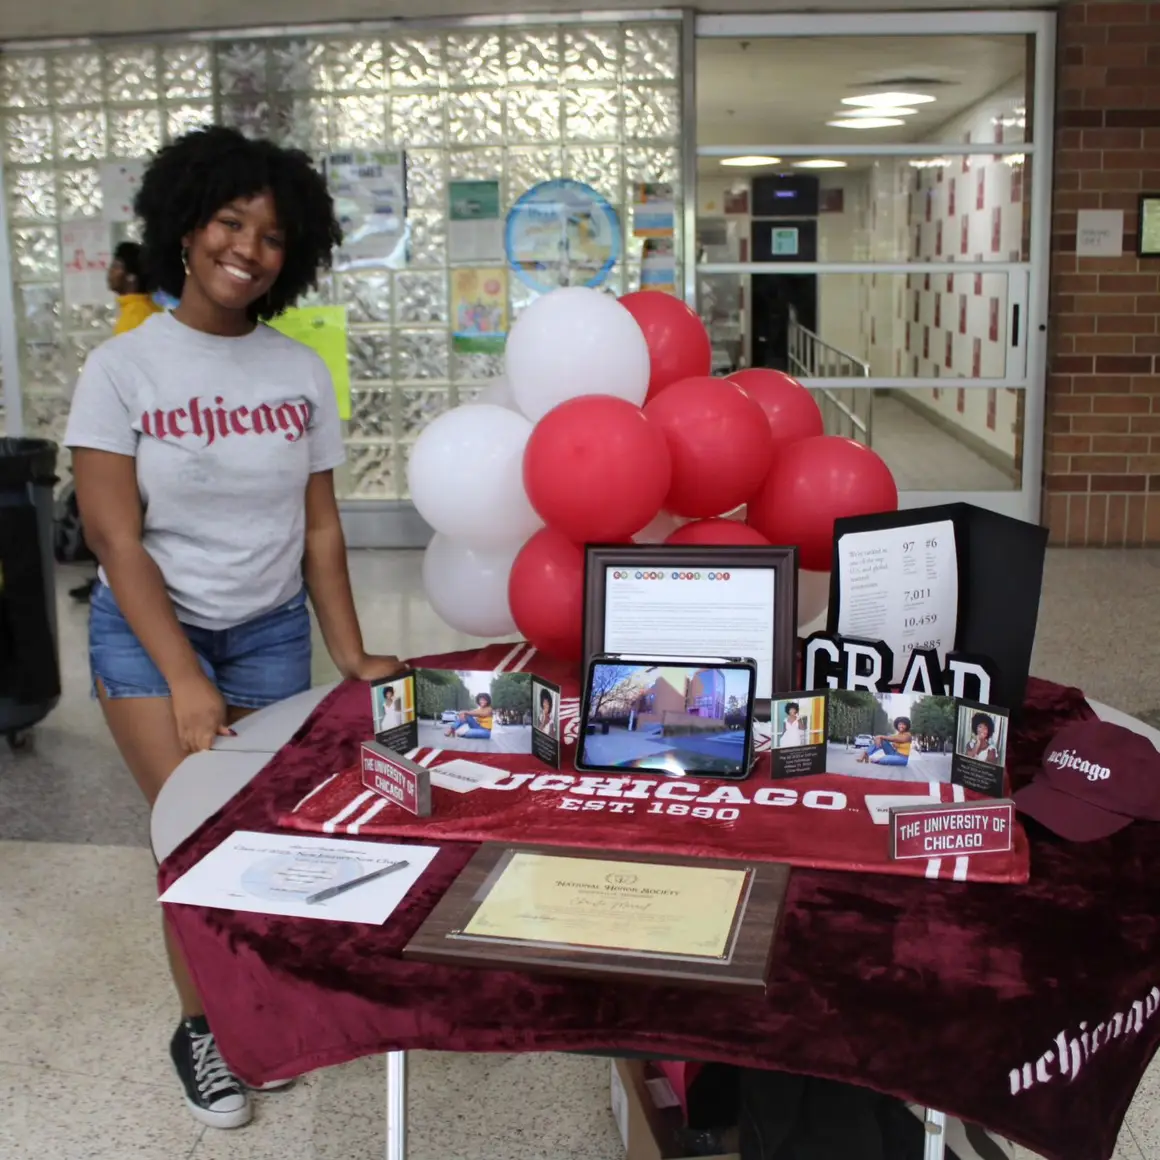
x=193, y=177
x=983, y=719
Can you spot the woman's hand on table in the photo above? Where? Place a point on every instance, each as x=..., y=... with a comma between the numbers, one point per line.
x=374, y=668
x=200, y=712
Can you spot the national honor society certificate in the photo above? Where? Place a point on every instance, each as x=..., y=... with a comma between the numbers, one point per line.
x=634, y=907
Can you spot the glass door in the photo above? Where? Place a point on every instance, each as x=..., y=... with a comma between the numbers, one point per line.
x=871, y=215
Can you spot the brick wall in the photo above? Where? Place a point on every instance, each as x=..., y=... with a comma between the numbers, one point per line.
x=1102, y=450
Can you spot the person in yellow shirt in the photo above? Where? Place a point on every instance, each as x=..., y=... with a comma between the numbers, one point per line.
x=127, y=280
x=891, y=750
x=475, y=723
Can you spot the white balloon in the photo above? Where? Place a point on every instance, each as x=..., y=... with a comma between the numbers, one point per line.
x=466, y=479
x=662, y=526
x=497, y=393
x=813, y=600
x=571, y=342
x=468, y=586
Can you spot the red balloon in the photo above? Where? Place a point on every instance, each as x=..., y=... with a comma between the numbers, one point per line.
x=719, y=533
x=789, y=407
x=719, y=442
x=812, y=484
x=678, y=343
x=596, y=469
x=546, y=594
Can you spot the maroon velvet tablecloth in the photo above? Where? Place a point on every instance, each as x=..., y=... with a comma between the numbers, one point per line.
x=1032, y=1009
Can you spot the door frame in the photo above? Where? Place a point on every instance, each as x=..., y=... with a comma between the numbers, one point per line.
x=1028, y=282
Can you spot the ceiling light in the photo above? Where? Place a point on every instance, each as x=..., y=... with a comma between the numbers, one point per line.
x=819, y=163
x=930, y=163
x=887, y=100
x=866, y=122
x=890, y=111
x=751, y=162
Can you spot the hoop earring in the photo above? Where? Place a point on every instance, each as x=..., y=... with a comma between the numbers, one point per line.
x=185, y=259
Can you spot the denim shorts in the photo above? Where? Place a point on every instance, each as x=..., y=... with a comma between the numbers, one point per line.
x=267, y=659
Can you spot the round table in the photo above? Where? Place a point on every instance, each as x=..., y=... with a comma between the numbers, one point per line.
x=205, y=782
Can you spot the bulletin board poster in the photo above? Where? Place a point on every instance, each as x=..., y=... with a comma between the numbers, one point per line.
x=479, y=309
x=370, y=198
x=323, y=329
x=658, y=266
x=562, y=233
x=120, y=181
x=85, y=252
x=654, y=213
x=475, y=224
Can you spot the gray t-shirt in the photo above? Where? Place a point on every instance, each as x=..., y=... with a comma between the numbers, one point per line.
x=226, y=432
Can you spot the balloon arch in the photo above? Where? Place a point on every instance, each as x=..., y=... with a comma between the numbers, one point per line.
x=608, y=428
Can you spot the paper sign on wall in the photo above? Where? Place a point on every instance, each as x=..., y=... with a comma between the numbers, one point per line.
x=653, y=210
x=370, y=199
x=658, y=268
x=323, y=329
x=479, y=309
x=474, y=227
x=120, y=181
x=85, y=256
x=1099, y=233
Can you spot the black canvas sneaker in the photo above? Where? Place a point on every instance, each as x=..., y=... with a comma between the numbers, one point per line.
x=213, y=1093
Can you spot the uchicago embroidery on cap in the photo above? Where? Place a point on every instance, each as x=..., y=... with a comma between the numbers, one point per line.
x=208, y=422
x=1069, y=759
x=1097, y=778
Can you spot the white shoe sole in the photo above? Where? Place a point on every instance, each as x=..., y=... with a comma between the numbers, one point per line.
x=224, y=1120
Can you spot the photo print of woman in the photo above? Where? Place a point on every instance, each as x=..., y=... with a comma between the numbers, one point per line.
x=982, y=736
x=544, y=701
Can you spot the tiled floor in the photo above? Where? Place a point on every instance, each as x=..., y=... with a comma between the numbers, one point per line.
x=925, y=457
x=86, y=1008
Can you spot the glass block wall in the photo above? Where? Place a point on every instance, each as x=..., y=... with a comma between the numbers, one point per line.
x=600, y=104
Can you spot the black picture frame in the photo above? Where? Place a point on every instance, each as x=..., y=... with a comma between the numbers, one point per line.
x=1000, y=561
x=1149, y=207
x=599, y=559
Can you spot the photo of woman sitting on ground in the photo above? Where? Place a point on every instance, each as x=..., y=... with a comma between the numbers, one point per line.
x=475, y=723
x=893, y=749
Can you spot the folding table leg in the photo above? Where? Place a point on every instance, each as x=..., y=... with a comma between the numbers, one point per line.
x=936, y=1135
x=396, y=1105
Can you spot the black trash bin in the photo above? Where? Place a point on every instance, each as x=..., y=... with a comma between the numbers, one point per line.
x=29, y=641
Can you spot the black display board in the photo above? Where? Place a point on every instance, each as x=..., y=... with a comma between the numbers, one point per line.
x=1000, y=565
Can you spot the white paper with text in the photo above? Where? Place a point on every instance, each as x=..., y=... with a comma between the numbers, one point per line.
x=656, y=612
x=901, y=586
x=276, y=873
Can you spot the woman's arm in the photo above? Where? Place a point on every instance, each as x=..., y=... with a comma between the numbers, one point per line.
x=110, y=509
x=328, y=582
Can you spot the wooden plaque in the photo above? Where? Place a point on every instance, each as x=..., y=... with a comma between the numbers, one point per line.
x=607, y=903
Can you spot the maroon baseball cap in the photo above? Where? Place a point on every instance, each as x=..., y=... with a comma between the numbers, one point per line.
x=1096, y=779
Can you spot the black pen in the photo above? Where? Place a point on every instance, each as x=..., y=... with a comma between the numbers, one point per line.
x=334, y=891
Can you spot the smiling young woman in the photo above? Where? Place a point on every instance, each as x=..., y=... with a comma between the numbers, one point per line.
x=204, y=444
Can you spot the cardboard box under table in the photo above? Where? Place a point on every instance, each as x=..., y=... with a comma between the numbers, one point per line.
x=649, y=1129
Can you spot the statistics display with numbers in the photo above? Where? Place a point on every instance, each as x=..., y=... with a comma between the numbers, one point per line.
x=901, y=586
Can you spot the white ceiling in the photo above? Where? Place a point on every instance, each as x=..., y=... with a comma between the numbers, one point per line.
x=53, y=18
x=784, y=91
